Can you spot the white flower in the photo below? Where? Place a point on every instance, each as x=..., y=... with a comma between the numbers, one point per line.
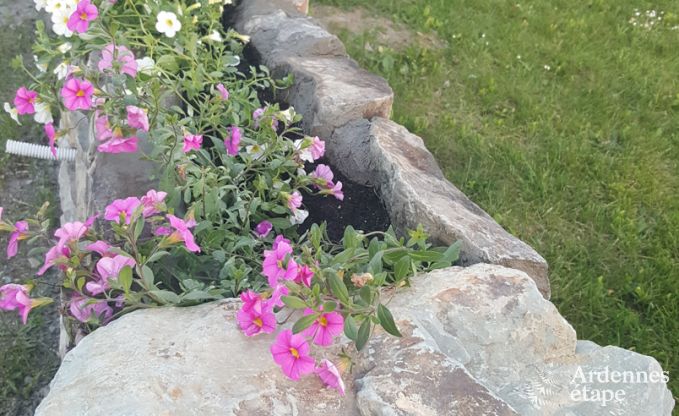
x=65, y=47
x=299, y=216
x=12, y=113
x=145, y=65
x=168, y=24
x=63, y=69
x=41, y=67
x=40, y=4
x=255, y=151
x=215, y=36
x=61, y=6
x=59, y=23
x=288, y=115
x=43, y=115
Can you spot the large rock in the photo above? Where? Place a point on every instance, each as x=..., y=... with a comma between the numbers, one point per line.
x=476, y=341
x=329, y=88
x=385, y=155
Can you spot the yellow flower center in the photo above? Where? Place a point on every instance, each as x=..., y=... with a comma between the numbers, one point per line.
x=294, y=352
x=323, y=321
x=80, y=93
x=169, y=22
x=83, y=16
x=258, y=322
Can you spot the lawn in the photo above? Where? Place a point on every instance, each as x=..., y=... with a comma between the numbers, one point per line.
x=560, y=119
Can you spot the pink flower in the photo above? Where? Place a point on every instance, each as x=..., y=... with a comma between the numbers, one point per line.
x=15, y=297
x=278, y=240
x=80, y=20
x=137, y=118
x=278, y=292
x=108, y=268
x=119, y=144
x=71, y=232
x=51, y=136
x=330, y=375
x=153, y=202
x=263, y=229
x=323, y=175
x=57, y=254
x=252, y=302
x=17, y=235
x=183, y=233
x=24, y=101
x=325, y=328
x=278, y=264
x=317, y=148
x=304, y=276
x=253, y=322
x=122, y=210
x=102, y=127
x=335, y=190
x=257, y=116
x=165, y=231
x=233, y=142
x=101, y=247
x=291, y=353
x=84, y=309
x=77, y=94
x=192, y=142
x=223, y=92
x=121, y=56
x=294, y=201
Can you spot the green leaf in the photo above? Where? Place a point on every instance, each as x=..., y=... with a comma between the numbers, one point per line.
x=304, y=322
x=294, y=302
x=157, y=256
x=350, y=329
x=402, y=268
x=375, y=264
x=125, y=278
x=428, y=256
x=337, y=286
x=366, y=294
x=148, y=277
x=329, y=306
x=387, y=320
x=351, y=239
x=363, y=334
x=166, y=296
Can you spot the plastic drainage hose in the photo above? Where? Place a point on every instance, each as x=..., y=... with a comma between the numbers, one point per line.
x=39, y=151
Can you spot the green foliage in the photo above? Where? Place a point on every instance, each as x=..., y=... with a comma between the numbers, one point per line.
x=560, y=119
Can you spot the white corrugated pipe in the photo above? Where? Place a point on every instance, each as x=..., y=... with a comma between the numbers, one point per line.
x=39, y=151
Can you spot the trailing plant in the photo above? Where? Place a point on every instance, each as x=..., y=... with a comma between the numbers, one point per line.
x=232, y=173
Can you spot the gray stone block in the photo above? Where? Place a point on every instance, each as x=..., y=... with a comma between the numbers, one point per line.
x=387, y=156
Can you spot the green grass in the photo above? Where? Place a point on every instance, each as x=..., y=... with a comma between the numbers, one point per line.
x=560, y=119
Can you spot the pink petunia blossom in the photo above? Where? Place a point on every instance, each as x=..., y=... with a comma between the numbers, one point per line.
x=119, y=144
x=55, y=255
x=278, y=264
x=71, y=232
x=137, y=118
x=24, y=101
x=51, y=137
x=310, y=149
x=291, y=353
x=15, y=297
x=80, y=19
x=253, y=322
x=77, y=94
x=84, y=309
x=153, y=202
x=164, y=231
x=317, y=148
x=19, y=233
x=122, y=210
x=192, y=142
x=276, y=294
x=223, y=92
x=183, y=233
x=102, y=127
x=108, y=268
x=253, y=302
x=294, y=201
x=330, y=375
x=257, y=118
x=325, y=328
x=323, y=175
x=101, y=247
x=120, y=57
x=232, y=143
x=304, y=276
x=335, y=189
x=278, y=240
x=263, y=228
